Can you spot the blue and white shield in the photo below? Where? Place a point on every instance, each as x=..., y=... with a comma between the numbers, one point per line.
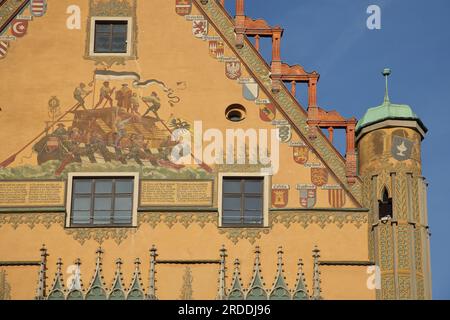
x=250, y=91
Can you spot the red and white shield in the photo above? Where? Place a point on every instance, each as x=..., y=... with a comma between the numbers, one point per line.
x=38, y=7
x=308, y=198
x=3, y=48
x=233, y=70
x=183, y=7
x=216, y=49
x=200, y=28
x=336, y=198
x=267, y=112
x=19, y=27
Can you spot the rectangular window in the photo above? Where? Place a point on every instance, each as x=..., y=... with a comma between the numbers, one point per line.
x=111, y=36
x=102, y=201
x=242, y=202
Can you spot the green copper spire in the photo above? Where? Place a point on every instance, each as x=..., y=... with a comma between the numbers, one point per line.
x=388, y=110
x=386, y=74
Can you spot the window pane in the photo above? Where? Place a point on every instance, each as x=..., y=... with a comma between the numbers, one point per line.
x=124, y=186
x=231, y=203
x=102, y=27
x=103, y=186
x=120, y=27
x=253, y=217
x=103, y=203
x=122, y=217
x=102, y=217
x=81, y=217
x=123, y=204
x=119, y=44
x=253, y=186
x=232, y=186
x=231, y=217
x=82, y=204
x=102, y=43
x=83, y=186
x=253, y=203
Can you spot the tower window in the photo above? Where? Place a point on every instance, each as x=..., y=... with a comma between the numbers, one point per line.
x=385, y=206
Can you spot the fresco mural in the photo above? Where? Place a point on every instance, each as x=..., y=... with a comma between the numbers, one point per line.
x=123, y=129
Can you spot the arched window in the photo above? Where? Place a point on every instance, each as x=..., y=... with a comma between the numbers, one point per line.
x=385, y=206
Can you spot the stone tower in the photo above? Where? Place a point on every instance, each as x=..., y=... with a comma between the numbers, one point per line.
x=389, y=145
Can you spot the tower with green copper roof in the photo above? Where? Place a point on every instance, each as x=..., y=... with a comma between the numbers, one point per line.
x=389, y=139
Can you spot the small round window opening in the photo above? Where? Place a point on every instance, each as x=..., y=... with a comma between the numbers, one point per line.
x=235, y=113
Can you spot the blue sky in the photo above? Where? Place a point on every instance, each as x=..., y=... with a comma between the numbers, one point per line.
x=331, y=36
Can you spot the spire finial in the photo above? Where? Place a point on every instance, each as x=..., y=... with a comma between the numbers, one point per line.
x=386, y=73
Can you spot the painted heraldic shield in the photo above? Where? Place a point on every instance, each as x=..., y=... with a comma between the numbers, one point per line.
x=200, y=28
x=183, y=7
x=280, y=198
x=233, y=70
x=250, y=91
x=284, y=133
x=267, y=112
x=308, y=198
x=38, y=7
x=216, y=49
x=401, y=148
x=336, y=198
x=19, y=27
x=3, y=48
x=301, y=154
x=319, y=176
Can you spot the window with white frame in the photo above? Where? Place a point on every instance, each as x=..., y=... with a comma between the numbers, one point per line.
x=243, y=201
x=110, y=36
x=102, y=201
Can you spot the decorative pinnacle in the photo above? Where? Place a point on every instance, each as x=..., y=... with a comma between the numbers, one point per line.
x=386, y=73
x=77, y=262
x=59, y=264
x=137, y=262
x=119, y=262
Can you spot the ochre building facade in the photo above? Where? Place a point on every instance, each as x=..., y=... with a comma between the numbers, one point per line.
x=98, y=99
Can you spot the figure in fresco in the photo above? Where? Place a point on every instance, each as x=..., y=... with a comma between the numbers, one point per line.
x=123, y=97
x=121, y=129
x=153, y=103
x=105, y=94
x=80, y=94
x=60, y=130
x=135, y=104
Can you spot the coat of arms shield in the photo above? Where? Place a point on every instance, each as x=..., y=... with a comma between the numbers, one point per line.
x=301, y=154
x=250, y=91
x=401, y=148
x=38, y=7
x=199, y=28
x=284, y=133
x=319, y=176
x=336, y=198
x=308, y=198
x=233, y=70
x=267, y=112
x=183, y=7
x=280, y=197
x=216, y=49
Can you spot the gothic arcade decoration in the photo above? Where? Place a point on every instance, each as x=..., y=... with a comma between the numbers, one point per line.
x=99, y=290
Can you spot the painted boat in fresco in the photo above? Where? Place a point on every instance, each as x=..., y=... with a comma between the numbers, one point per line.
x=105, y=135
